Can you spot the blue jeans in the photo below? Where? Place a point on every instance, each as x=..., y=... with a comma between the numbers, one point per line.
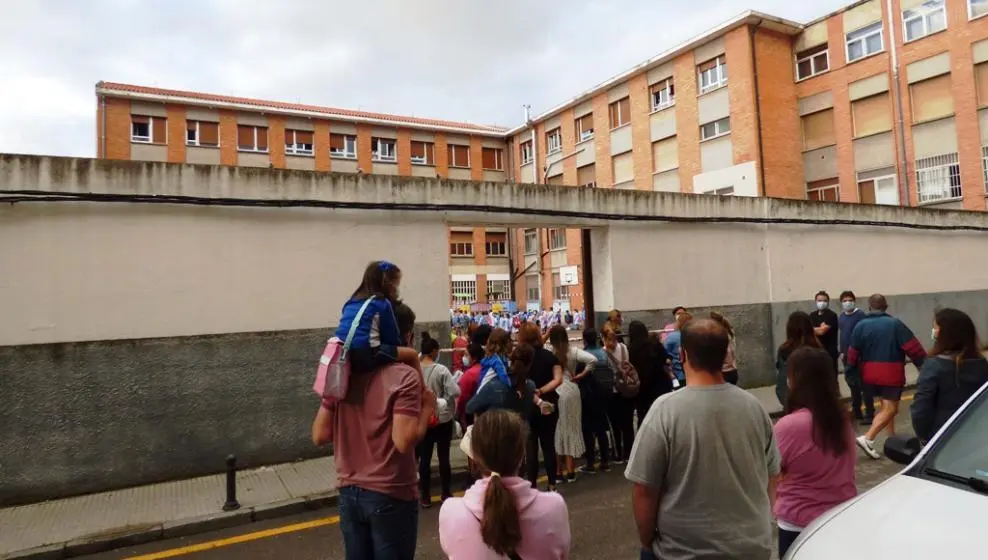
x=376, y=526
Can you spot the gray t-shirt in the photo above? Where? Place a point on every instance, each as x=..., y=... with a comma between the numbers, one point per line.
x=710, y=450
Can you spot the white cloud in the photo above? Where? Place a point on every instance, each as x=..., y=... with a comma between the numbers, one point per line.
x=465, y=60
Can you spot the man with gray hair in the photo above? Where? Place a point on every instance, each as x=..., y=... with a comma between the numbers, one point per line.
x=704, y=463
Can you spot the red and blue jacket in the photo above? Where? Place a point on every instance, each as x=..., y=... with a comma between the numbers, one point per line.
x=879, y=346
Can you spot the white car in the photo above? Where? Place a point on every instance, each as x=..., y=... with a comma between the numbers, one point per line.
x=934, y=509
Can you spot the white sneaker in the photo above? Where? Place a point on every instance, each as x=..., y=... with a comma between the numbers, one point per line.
x=867, y=446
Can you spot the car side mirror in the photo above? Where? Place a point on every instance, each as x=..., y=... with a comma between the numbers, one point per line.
x=902, y=449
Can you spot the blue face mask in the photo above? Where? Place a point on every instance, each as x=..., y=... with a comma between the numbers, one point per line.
x=847, y=305
x=821, y=305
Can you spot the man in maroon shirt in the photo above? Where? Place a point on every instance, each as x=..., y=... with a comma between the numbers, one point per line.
x=374, y=432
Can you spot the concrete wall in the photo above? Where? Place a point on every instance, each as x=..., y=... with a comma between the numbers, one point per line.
x=142, y=342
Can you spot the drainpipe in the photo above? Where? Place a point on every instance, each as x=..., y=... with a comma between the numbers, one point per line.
x=535, y=179
x=758, y=109
x=102, y=136
x=900, y=138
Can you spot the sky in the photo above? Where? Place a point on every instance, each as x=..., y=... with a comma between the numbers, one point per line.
x=467, y=60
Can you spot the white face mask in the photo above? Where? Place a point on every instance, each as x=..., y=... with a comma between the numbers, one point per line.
x=821, y=305
x=847, y=305
x=466, y=361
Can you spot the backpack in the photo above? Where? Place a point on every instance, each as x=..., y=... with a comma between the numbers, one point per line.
x=627, y=381
x=333, y=373
x=605, y=376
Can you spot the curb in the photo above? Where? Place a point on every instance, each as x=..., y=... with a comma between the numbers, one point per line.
x=143, y=534
x=844, y=400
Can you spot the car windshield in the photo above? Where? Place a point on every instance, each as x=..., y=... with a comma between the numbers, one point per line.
x=963, y=451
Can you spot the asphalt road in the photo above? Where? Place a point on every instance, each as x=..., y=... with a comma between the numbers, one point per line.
x=599, y=507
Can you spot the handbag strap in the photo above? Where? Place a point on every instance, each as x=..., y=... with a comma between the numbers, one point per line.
x=353, y=328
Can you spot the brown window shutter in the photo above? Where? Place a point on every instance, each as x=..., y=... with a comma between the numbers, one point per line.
x=160, y=130
x=818, y=130
x=303, y=137
x=625, y=110
x=932, y=99
x=490, y=158
x=418, y=149
x=613, y=114
x=262, y=138
x=866, y=192
x=871, y=115
x=712, y=63
x=451, y=155
x=209, y=134
x=336, y=141
x=981, y=78
x=586, y=174
x=140, y=119
x=190, y=125
x=245, y=137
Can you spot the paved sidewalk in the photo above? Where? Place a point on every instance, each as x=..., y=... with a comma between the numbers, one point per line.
x=99, y=522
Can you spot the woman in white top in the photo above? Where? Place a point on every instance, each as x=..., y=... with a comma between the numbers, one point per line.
x=730, y=369
x=569, y=430
x=440, y=435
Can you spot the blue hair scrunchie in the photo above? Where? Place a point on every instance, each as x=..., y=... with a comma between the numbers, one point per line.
x=386, y=266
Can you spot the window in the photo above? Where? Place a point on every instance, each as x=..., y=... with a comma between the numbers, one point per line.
x=199, y=133
x=977, y=8
x=586, y=176
x=713, y=74
x=871, y=115
x=620, y=112
x=423, y=153
x=498, y=290
x=929, y=17
x=493, y=158
x=812, y=61
x=532, y=290
x=665, y=154
x=826, y=190
x=464, y=291
x=715, y=129
x=878, y=189
x=554, y=141
x=818, y=130
x=459, y=156
x=663, y=94
x=252, y=138
x=864, y=42
x=148, y=130
x=343, y=146
x=981, y=83
x=724, y=191
x=622, y=168
x=931, y=99
x=531, y=241
x=384, y=149
x=462, y=249
x=584, y=128
x=559, y=292
x=526, y=152
x=557, y=239
x=496, y=249
x=984, y=166
x=298, y=142
x=938, y=177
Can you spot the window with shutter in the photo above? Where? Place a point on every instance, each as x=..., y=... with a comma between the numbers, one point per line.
x=245, y=137
x=620, y=112
x=665, y=154
x=493, y=159
x=623, y=168
x=159, y=130
x=586, y=176
x=818, y=130
x=871, y=115
x=931, y=99
x=209, y=134
x=584, y=128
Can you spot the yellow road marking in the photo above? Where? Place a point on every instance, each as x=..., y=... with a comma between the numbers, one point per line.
x=256, y=535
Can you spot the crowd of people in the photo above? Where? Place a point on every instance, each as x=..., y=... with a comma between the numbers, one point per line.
x=709, y=471
x=461, y=320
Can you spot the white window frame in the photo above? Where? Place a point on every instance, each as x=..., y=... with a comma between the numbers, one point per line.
x=467, y=247
x=501, y=246
x=554, y=141
x=722, y=127
x=197, y=141
x=591, y=184
x=533, y=236
x=424, y=159
x=255, y=149
x=923, y=12
x=463, y=287
x=384, y=150
x=527, y=154
x=452, y=151
x=194, y=141
x=620, y=113
x=502, y=287
x=970, y=9
x=863, y=33
x=293, y=148
x=834, y=187
x=717, y=75
x=583, y=135
x=660, y=101
x=874, y=181
x=812, y=59
x=557, y=239
x=938, y=178
x=349, y=148
x=984, y=166
x=150, y=124
x=723, y=191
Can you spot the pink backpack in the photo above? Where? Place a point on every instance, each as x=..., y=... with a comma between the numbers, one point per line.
x=333, y=374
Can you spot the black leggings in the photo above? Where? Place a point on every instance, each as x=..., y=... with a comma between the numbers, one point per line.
x=620, y=412
x=594, y=421
x=542, y=434
x=440, y=436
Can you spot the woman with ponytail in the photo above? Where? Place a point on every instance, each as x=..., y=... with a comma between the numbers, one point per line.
x=501, y=515
x=439, y=434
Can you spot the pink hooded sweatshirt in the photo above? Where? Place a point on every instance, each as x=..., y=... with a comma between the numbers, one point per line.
x=544, y=523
